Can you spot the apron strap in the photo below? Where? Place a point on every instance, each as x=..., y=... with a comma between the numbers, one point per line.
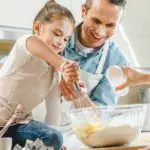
x=16, y=114
x=103, y=58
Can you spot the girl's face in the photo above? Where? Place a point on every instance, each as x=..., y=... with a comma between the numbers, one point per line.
x=55, y=33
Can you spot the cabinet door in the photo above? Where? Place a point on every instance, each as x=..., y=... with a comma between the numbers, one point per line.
x=19, y=13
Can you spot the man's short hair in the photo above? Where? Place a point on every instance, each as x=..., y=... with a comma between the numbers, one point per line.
x=121, y=3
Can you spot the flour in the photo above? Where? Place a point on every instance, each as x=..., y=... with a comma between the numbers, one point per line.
x=95, y=135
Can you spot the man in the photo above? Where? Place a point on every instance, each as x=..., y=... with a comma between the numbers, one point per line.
x=91, y=47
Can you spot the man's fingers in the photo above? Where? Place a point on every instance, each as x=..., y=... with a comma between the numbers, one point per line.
x=125, y=70
x=122, y=86
x=82, y=84
x=78, y=104
x=67, y=90
x=64, y=148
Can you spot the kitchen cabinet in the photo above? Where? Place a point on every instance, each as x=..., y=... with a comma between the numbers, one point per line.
x=19, y=13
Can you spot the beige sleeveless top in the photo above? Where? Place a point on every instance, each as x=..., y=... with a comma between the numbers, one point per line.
x=25, y=80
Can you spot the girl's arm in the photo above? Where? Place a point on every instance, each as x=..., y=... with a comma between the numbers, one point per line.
x=38, y=48
x=69, y=69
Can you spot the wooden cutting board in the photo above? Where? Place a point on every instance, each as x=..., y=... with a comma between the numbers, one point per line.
x=118, y=148
x=142, y=142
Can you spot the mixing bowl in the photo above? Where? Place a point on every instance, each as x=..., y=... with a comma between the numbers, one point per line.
x=108, y=125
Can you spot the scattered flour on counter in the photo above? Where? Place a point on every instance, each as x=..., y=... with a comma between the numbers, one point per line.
x=97, y=135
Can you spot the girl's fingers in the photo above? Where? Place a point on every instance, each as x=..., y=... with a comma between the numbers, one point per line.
x=71, y=65
x=71, y=73
x=71, y=70
x=69, y=79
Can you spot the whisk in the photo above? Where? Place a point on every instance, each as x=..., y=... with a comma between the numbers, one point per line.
x=78, y=101
x=82, y=100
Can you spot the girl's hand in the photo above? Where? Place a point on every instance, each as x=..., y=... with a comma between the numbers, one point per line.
x=70, y=71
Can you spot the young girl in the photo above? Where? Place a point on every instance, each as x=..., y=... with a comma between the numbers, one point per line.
x=29, y=74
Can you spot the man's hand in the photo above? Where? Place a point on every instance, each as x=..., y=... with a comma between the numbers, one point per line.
x=83, y=101
x=133, y=78
x=68, y=91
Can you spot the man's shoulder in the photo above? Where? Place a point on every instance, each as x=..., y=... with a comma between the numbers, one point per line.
x=73, y=39
x=113, y=47
x=71, y=42
x=116, y=55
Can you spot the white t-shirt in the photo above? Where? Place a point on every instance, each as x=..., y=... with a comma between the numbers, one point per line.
x=80, y=47
x=17, y=57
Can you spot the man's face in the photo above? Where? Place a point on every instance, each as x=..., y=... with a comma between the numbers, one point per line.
x=100, y=22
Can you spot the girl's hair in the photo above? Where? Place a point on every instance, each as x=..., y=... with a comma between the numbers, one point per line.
x=50, y=9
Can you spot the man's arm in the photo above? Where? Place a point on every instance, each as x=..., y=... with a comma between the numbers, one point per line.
x=134, y=78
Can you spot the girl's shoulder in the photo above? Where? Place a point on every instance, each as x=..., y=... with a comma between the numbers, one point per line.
x=23, y=39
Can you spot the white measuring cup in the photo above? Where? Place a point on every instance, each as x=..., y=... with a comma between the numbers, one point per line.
x=116, y=77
